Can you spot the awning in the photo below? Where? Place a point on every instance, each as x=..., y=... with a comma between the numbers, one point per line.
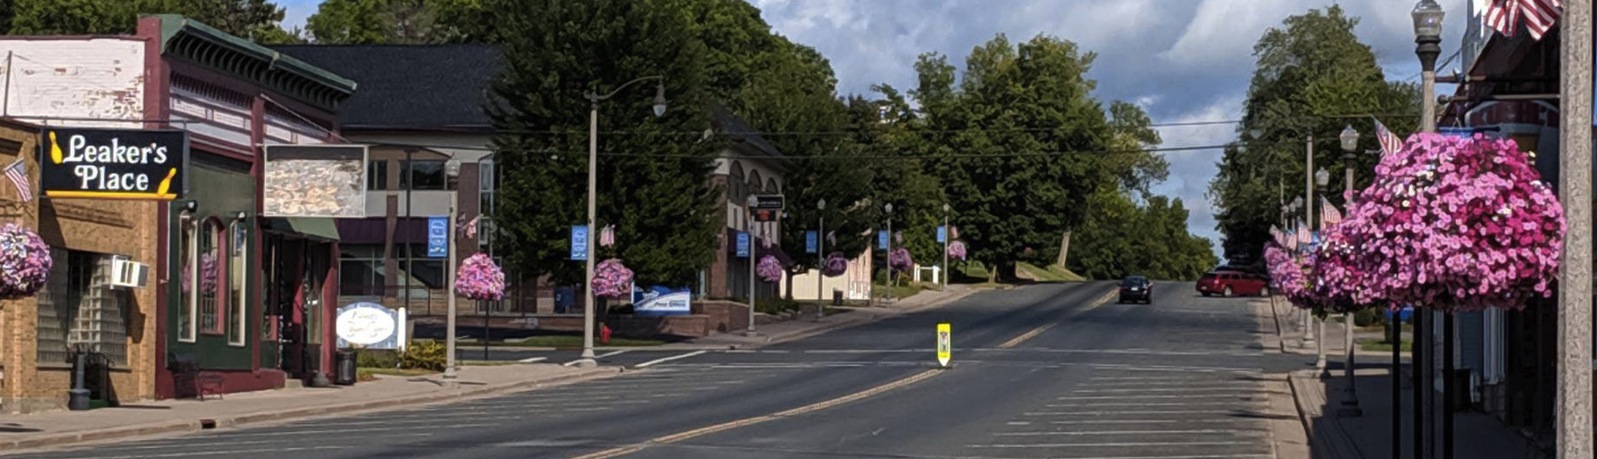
x=309, y=227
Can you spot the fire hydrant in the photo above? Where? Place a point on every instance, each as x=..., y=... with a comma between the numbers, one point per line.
x=604, y=333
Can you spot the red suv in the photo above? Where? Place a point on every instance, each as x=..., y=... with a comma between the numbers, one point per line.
x=1229, y=283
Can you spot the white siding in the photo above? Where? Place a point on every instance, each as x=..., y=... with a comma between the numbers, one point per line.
x=101, y=78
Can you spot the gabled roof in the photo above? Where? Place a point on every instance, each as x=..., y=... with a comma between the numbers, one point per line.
x=202, y=44
x=739, y=131
x=406, y=87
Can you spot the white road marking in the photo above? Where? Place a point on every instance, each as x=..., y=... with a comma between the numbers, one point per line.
x=1185, y=390
x=1130, y=432
x=1019, y=423
x=668, y=359
x=1104, y=413
x=1154, y=421
x=1070, y=405
x=533, y=360
x=613, y=353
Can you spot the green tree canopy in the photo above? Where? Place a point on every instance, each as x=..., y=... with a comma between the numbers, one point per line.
x=652, y=183
x=256, y=19
x=401, y=22
x=1313, y=78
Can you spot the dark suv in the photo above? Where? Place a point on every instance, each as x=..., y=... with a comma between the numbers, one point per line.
x=1136, y=289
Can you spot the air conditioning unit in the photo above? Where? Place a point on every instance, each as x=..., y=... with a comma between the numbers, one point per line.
x=128, y=273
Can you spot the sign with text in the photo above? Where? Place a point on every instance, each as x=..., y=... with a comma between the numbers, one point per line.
x=942, y=234
x=945, y=343
x=812, y=240
x=579, y=242
x=881, y=239
x=768, y=202
x=369, y=325
x=662, y=301
x=113, y=163
x=327, y=181
x=437, y=237
x=743, y=244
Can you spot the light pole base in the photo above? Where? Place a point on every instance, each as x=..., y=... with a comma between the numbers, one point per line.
x=750, y=334
x=586, y=363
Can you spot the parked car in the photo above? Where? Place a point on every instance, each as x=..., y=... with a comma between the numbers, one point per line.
x=1136, y=289
x=1233, y=283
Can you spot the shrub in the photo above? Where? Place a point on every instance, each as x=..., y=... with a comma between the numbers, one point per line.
x=424, y=355
x=376, y=358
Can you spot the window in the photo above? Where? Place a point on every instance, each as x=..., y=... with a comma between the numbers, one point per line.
x=486, y=183
x=185, y=314
x=79, y=309
x=377, y=175
x=360, y=270
x=424, y=175
x=237, y=272
x=210, y=274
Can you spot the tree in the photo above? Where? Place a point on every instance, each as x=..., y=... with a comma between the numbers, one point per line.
x=652, y=184
x=401, y=22
x=1313, y=79
x=256, y=19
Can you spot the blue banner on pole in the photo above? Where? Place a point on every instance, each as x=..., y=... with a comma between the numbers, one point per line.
x=942, y=234
x=811, y=241
x=437, y=237
x=1456, y=131
x=743, y=244
x=881, y=239
x=579, y=242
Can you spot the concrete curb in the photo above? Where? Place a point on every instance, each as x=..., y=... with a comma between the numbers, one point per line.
x=262, y=417
x=1331, y=441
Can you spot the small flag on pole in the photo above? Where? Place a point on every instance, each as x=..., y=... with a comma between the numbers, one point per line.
x=1328, y=214
x=471, y=227
x=18, y=173
x=607, y=236
x=1390, y=143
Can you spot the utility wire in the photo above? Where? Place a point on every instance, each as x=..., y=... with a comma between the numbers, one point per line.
x=558, y=154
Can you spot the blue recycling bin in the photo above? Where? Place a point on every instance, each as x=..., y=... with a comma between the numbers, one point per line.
x=563, y=300
x=1404, y=315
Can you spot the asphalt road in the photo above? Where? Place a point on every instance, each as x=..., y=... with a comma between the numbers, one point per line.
x=1040, y=371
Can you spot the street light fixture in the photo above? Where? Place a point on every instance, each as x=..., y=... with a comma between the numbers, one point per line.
x=1350, y=140
x=1427, y=17
x=1350, y=394
x=888, y=257
x=1322, y=178
x=588, y=360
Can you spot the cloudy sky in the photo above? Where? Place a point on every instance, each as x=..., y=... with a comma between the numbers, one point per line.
x=1182, y=60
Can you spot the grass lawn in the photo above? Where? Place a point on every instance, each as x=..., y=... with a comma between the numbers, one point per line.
x=370, y=374
x=1373, y=344
x=897, y=291
x=1051, y=273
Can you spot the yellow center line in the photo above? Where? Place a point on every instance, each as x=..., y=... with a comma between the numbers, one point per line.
x=1016, y=341
x=702, y=431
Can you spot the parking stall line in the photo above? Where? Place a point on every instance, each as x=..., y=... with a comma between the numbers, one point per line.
x=1112, y=445
x=1235, y=432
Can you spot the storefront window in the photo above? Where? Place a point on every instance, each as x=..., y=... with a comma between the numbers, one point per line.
x=185, y=316
x=210, y=270
x=360, y=270
x=424, y=175
x=79, y=309
x=377, y=175
x=237, y=245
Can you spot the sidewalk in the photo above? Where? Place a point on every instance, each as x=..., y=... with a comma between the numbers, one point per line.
x=59, y=428
x=807, y=326
x=1318, y=396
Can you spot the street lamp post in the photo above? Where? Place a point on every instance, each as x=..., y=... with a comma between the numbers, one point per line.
x=588, y=360
x=889, y=257
x=1427, y=17
x=1321, y=179
x=948, y=236
x=820, y=258
x=753, y=246
x=1350, y=395
x=1308, y=208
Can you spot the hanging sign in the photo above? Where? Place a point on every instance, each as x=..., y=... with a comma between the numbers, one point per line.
x=811, y=241
x=113, y=163
x=579, y=242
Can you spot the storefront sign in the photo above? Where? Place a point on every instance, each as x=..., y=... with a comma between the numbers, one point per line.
x=662, y=301
x=113, y=163
x=327, y=181
x=368, y=325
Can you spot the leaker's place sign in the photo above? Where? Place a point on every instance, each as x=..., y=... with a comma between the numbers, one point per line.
x=113, y=163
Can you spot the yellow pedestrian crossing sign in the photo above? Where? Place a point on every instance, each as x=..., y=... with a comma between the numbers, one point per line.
x=945, y=343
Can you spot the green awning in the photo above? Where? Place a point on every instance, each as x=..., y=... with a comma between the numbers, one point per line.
x=310, y=227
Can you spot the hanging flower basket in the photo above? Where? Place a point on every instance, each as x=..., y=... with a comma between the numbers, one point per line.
x=956, y=250
x=899, y=260
x=1457, y=224
x=611, y=279
x=1287, y=275
x=24, y=262
x=769, y=269
x=1339, y=283
x=207, y=274
x=836, y=265
x=479, y=278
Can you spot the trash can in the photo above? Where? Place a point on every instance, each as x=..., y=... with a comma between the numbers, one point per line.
x=837, y=297
x=344, y=368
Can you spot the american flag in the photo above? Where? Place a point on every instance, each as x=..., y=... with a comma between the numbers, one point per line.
x=607, y=236
x=1539, y=15
x=1390, y=143
x=471, y=227
x=1304, y=238
x=18, y=173
x=1328, y=213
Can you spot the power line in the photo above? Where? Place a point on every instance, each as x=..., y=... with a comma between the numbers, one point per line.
x=556, y=154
